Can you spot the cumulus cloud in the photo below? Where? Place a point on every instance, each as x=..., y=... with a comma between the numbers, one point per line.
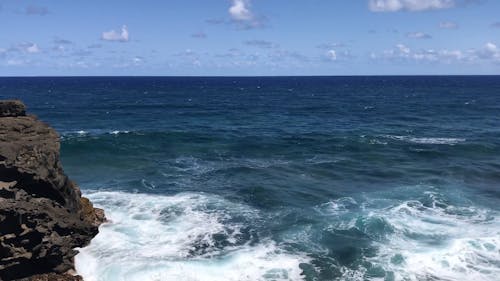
x=488, y=53
x=448, y=25
x=331, y=55
x=409, y=5
x=418, y=35
x=33, y=49
x=118, y=36
x=243, y=17
x=240, y=10
x=336, y=55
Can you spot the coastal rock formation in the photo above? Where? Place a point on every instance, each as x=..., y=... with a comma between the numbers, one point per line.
x=43, y=216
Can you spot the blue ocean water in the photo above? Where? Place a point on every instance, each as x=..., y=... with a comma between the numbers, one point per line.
x=283, y=178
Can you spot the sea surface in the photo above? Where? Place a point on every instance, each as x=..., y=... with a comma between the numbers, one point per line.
x=283, y=178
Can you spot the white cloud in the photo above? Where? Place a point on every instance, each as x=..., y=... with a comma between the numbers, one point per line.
x=418, y=35
x=448, y=25
x=33, y=49
x=403, y=49
x=336, y=55
x=331, y=55
x=243, y=17
x=488, y=53
x=240, y=11
x=26, y=47
x=113, y=35
x=409, y=5
x=138, y=60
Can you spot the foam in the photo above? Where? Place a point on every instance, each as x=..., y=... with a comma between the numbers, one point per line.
x=445, y=141
x=438, y=241
x=116, y=132
x=173, y=238
x=92, y=132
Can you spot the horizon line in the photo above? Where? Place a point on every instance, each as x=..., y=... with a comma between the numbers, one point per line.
x=249, y=76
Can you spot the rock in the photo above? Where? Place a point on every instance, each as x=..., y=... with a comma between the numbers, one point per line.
x=12, y=108
x=43, y=216
x=52, y=277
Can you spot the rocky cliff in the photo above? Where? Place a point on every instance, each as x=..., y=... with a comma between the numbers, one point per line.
x=43, y=216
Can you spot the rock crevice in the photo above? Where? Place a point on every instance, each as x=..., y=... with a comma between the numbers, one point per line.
x=43, y=216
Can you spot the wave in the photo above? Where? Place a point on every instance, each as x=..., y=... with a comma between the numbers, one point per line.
x=91, y=133
x=446, y=141
x=182, y=237
x=424, y=239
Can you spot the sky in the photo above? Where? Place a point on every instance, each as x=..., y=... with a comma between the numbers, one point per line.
x=249, y=37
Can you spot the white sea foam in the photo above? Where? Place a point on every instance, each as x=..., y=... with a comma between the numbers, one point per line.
x=116, y=132
x=335, y=207
x=437, y=241
x=173, y=238
x=92, y=132
x=447, y=141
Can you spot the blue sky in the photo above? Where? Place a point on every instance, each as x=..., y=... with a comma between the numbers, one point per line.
x=249, y=37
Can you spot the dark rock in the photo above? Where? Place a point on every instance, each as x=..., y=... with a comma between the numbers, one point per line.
x=43, y=216
x=52, y=277
x=12, y=108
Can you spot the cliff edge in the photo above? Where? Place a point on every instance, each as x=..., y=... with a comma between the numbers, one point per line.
x=43, y=216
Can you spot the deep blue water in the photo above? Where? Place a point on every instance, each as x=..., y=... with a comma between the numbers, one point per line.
x=285, y=178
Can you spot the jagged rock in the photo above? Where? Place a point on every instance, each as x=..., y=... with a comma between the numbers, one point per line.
x=43, y=216
x=12, y=108
x=52, y=277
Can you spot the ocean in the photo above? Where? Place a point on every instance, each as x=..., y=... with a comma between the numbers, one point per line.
x=281, y=178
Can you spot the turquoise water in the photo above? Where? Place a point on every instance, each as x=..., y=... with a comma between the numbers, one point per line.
x=286, y=178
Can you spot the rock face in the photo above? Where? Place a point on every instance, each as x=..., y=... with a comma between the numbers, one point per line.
x=43, y=216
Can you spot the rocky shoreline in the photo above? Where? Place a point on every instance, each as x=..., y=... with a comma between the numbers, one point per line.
x=43, y=216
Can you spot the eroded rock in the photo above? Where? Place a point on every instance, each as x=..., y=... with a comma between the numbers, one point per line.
x=43, y=216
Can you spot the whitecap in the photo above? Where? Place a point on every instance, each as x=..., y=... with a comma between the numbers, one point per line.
x=427, y=140
x=437, y=241
x=340, y=205
x=116, y=132
x=179, y=238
